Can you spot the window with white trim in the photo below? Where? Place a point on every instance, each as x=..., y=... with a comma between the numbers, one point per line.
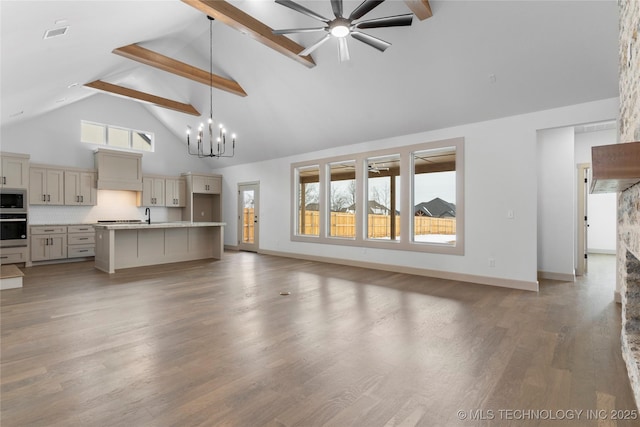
x=407, y=198
x=116, y=136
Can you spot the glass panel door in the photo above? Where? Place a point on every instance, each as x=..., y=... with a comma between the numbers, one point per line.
x=248, y=214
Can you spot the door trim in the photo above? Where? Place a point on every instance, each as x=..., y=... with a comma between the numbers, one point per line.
x=255, y=246
x=582, y=218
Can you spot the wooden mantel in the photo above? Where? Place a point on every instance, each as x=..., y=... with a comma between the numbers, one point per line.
x=616, y=167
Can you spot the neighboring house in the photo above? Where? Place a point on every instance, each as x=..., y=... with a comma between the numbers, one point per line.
x=374, y=208
x=311, y=207
x=436, y=208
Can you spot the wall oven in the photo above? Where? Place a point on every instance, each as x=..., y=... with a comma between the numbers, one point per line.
x=13, y=218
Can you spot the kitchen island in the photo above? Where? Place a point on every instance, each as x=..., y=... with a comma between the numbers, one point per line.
x=126, y=245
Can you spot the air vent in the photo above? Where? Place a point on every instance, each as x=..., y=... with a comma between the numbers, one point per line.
x=56, y=32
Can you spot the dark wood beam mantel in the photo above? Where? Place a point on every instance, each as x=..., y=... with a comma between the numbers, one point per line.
x=143, y=96
x=246, y=24
x=170, y=65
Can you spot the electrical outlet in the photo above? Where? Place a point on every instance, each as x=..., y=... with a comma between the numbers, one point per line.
x=510, y=214
x=492, y=262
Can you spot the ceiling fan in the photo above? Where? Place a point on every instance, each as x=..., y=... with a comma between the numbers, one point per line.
x=340, y=27
x=375, y=168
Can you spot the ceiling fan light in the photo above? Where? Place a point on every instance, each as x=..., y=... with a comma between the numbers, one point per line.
x=340, y=31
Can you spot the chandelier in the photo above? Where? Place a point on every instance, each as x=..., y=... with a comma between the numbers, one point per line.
x=221, y=138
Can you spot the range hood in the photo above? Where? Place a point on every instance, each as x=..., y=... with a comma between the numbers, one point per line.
x=616, y=167
x=118, y=170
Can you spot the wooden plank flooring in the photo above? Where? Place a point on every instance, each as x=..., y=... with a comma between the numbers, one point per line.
x=215, y=344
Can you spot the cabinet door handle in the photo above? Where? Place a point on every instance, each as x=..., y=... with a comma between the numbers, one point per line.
x=84, y=250
x=4, y=179
x=44, y=197
x=83, y=238
x=82, y=199
x=3, y=257
x=48, y=230
x=48, y=197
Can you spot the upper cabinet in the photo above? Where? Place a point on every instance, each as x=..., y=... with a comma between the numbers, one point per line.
x=14, y=170
x=118, y=170
x=80, y=188
x=206, y=184
x=152, y=191
x=175, y=192
x=46, y=185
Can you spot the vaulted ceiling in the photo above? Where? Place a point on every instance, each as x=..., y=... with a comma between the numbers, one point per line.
x=470, y=61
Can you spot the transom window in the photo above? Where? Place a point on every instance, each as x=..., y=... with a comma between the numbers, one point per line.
x=116, y=136
x=407, y=198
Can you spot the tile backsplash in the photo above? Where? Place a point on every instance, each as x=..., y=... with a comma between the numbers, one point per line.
x=111, y=205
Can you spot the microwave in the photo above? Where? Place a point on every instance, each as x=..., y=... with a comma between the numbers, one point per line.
x=13, y=200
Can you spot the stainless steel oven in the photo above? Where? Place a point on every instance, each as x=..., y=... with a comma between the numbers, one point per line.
x=13, y=229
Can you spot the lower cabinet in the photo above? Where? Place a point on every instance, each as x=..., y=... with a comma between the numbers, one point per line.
x=62, y=242
x=81, y=241
x=14, y=255
x=48, y=243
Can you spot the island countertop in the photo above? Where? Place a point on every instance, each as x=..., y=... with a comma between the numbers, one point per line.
x=144, y=225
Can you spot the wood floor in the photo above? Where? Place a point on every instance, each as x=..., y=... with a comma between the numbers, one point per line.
x=214, y=343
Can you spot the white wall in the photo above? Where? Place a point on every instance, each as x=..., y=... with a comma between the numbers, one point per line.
x=54, y=139
x=501, y=175
x=556, y=201
x=601, y=208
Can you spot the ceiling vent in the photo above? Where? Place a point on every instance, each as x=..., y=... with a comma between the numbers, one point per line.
x=56, y=32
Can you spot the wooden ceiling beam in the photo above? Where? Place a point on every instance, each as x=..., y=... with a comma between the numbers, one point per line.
x=239, y=20
x=144, y=97
x=420, y=8
x=170, y=65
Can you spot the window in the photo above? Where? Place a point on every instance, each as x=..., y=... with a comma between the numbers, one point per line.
x=113, y=136
x=342, y=199
x=308, y=196
x=383, y=197
x=434, y=196
x=408, y=198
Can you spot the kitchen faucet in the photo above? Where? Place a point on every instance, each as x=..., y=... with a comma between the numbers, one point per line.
x=147, y=211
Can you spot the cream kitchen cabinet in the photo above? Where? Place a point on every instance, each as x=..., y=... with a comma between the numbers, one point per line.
x=46, y=185
x=81, y=241
x=206, y=184
x=14, y=170
x=80, y=188
x=153, y=192
x=175, y=192
x=48, y=242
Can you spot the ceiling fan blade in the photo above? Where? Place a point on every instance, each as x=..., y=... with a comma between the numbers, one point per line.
x=337, y=8
x=374, y=42
x=389, y=21
x=343, y=49
x=299, y=8
x=365, y=7
x=298, y=30
x=314, y=46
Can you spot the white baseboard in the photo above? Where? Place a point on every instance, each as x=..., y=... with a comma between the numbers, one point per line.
x=231, y=248
x=461, y=277
x=564, y=277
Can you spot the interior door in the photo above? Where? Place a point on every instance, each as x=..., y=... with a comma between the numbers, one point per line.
x=248, y=216
x=582, y=220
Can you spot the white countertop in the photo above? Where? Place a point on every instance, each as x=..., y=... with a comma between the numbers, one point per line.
x=143, y=225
